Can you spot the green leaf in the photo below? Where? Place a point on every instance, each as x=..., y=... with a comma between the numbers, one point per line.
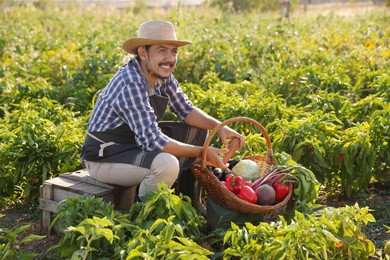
x=31, y=238
x=103, y=222
x=80, y=229
x=107, y=233
x=21, y=229
x=330, y=236
x=157, y=224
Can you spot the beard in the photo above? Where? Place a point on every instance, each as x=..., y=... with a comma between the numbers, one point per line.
x=155, y=74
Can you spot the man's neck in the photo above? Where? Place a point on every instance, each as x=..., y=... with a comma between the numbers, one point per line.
x=148, y=75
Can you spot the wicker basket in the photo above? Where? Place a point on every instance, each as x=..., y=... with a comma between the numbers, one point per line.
x=217, y=191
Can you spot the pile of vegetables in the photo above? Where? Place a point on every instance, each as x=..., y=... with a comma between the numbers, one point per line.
x=245, y=180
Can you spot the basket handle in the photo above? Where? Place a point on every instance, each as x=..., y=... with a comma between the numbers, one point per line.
x=229, y=121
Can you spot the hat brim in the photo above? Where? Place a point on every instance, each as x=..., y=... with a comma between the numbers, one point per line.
x=132, y=44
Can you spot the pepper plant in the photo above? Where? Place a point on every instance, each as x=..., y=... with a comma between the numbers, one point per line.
x=92, y=230
x=10, y=245
x=332, y=233
x=307, y=139
x=163, y=240
x=356, y=157
x=39, y=140
x=164, y=203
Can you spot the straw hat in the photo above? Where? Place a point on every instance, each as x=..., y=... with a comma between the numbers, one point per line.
x=151, y=33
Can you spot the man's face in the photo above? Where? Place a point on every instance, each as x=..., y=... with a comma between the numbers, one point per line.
x=161, y=60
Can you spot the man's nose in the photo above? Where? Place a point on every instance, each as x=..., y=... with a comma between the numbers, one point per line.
x=172, y=57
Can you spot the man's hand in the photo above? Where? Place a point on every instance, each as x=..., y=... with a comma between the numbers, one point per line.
x=214, y=159
x=200, y=119
x=227, y=133
x=233, y=146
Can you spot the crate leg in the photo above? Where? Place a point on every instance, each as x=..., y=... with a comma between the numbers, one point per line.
x=46, y=192
x=125, y=198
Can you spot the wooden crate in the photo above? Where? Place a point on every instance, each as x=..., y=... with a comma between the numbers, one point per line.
x=79, y=183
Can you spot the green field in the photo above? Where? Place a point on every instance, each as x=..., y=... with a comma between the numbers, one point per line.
x=319, y=84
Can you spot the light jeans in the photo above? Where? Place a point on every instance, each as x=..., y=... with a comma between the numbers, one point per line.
x=164, y=168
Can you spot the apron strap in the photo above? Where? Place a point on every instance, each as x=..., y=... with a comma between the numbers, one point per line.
x=103, y=145
x=94, y=137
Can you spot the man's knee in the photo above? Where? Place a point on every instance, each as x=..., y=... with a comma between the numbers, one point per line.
x=167, y=164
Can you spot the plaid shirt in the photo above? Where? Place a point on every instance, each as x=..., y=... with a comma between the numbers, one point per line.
x=125, y=100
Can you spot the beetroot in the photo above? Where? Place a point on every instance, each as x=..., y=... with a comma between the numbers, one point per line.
x=265, y=195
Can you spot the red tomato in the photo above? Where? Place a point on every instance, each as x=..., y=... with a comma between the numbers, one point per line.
x=281, y=190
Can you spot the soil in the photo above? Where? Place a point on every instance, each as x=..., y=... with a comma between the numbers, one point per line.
x=16, y=217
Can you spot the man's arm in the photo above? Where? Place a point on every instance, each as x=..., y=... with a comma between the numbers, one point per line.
x=200, y=119
x=197, y=118
x=180, y=149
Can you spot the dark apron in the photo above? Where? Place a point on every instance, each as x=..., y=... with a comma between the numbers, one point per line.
x=118, y=145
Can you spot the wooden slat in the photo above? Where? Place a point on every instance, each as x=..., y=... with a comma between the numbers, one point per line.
x=61, y=182
x=83, y=176
x=87, y=188
x=47, y=193
x=48, y=205
x=60, y=193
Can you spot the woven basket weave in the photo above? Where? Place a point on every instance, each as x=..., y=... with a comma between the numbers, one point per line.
x=217, y=191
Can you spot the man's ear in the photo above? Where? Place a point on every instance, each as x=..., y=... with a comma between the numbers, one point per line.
x=142, y=52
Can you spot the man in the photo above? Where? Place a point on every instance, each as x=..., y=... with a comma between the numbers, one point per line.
x=126, y=145
x=285, y=9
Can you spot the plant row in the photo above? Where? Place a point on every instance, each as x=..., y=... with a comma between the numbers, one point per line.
x=166, y=226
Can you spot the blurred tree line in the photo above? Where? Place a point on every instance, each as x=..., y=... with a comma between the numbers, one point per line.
x=265, y=5
x=248, y=5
